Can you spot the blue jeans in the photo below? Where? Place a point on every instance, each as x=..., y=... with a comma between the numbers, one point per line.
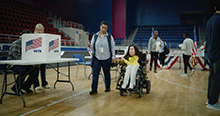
x=105, y=64
x=43, y=76
x=26, y=70
x=214, y=81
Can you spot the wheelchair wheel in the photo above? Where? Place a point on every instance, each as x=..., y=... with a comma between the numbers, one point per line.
x=121, y=92
x=140, y=92
x=148, y=86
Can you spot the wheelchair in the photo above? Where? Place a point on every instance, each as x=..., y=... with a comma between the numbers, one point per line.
x=142, y=81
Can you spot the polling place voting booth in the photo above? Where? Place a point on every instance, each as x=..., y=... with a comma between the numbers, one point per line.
x=41, y=47
x=38, y=49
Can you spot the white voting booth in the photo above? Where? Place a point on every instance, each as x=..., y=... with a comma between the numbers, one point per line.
x=40, y=47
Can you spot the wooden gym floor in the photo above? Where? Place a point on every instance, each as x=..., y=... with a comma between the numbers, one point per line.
x=171, y=95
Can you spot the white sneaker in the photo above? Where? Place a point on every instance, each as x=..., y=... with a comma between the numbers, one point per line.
x=38, y=88
x=46, y=86
x=184, y=74
x=192, y=71
x=123, y=86
x=130, y=87
x=215, y=106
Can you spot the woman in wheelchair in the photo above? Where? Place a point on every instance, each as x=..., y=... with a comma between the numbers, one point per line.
x=131, y=59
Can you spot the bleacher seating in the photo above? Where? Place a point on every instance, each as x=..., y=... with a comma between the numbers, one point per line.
x=17, y=16
x=119, y=40
x=172, y=34
x=5, y=48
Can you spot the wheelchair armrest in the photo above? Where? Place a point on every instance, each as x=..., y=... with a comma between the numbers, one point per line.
x=114, y=64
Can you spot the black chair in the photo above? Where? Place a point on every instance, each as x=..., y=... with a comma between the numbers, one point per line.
x=4, y=71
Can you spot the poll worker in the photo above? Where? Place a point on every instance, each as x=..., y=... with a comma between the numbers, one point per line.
x=39, y=29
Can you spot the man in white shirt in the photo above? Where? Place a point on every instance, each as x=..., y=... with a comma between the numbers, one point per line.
x=187, y=51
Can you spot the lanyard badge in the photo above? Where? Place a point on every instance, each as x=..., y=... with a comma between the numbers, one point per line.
x=101, y=49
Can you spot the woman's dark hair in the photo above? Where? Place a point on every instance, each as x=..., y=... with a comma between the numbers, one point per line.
x=137, y=52
x=217, y=4
x=186, y=34
x=104, y=23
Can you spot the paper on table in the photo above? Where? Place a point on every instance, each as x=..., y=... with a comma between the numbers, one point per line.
x=62, y=52
x=157, y=46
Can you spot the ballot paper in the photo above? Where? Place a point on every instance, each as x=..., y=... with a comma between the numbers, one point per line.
x=181, y=45
x=201, y=47
x=157, y=46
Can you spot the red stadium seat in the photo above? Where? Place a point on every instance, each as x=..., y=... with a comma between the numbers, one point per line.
x=68, y=43
x=62, y=42
x=18, y=16
x=67, y=38
x=72, y=43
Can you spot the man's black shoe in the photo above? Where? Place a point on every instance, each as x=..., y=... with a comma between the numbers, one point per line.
x=135, y=88
x=122, y=88
x=13, y=89
x=203, y=69
x=107, y=90
x=93, y=92
x=130, y=89
x=118, y=88
x=27, y=90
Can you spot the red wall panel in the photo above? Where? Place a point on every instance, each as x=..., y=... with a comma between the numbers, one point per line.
x=119, y=18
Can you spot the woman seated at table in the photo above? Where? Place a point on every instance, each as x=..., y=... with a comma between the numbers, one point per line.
x=32, y=71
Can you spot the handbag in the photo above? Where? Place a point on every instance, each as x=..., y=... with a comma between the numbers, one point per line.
x=166, y=49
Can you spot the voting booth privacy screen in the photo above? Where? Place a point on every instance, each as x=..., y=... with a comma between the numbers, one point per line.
x=40, y=47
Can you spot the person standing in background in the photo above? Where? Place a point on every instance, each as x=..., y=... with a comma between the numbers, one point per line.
x=206, y=61
x=187, y=47
x=162, y=54
x=213, y=47
x=152, y=45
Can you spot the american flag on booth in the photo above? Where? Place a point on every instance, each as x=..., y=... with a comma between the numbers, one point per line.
x=53, y=44
x=195, y=47
x=33, y=44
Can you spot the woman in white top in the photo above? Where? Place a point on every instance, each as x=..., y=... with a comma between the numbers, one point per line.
x=187, y=52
